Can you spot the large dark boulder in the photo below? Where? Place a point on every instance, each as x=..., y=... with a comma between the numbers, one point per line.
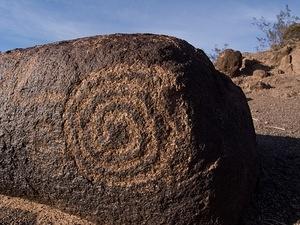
x=229, y=62
x=125, y=129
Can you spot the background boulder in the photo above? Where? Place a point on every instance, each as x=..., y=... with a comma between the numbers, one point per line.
x=229, y=62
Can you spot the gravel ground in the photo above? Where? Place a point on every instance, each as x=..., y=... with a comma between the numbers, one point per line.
x=276, y=116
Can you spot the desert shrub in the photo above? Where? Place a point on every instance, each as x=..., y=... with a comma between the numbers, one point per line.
x=292, y=33
x=273, y=32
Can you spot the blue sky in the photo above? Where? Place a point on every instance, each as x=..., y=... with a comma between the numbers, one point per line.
x=204, y=24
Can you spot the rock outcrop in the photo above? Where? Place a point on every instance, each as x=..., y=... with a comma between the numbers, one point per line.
x=229, y=62
x=281, y=60
x=125, y=129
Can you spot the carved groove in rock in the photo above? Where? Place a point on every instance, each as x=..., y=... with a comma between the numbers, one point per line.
x=117, y=133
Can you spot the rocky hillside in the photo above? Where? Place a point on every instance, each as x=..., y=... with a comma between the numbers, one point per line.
x=277, y=70
x=263, y=70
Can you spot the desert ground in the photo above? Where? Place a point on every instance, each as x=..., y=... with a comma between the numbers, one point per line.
x=275, y=114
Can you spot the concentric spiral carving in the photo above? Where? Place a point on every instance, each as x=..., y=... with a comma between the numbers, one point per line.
x=119, y=128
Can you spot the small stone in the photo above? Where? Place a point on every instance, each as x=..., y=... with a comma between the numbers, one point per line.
x=260, y=73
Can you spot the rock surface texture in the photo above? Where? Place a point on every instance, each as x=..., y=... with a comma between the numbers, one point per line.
x=125, y=129
x=17, y=211
x=229, y=62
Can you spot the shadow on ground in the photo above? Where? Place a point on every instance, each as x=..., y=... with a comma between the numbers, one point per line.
x=252, y=64
x=277, y=197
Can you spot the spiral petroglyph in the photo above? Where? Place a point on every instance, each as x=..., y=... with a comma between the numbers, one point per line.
x=118, y=128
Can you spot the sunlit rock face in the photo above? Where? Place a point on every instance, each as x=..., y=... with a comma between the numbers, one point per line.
x=125, y=129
